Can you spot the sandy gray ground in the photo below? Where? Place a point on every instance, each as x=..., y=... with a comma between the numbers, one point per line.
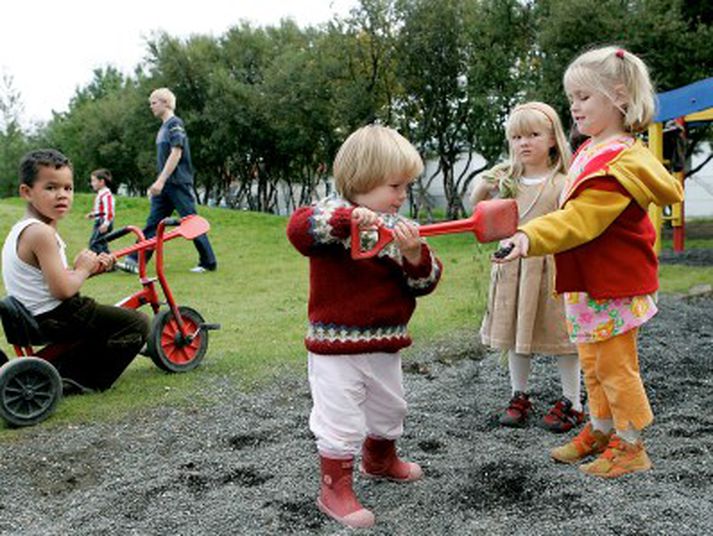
x=247, y=464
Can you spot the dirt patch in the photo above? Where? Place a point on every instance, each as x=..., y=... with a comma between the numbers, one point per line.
x=247, y=464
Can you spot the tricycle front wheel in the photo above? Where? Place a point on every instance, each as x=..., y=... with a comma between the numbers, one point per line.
x=169, y=349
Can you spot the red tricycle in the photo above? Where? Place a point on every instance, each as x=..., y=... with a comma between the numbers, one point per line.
x=30, y=387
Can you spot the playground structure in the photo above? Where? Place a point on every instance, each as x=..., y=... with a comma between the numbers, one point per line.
x=31, y=387
x=683, y=108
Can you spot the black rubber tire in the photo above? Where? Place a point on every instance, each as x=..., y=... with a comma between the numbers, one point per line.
x=166, y=352
x=30, y=389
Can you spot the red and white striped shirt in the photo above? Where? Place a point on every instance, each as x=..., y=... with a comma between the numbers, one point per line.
x=104, y=206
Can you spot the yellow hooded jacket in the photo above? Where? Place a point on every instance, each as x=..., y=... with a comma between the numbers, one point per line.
x=602, y=237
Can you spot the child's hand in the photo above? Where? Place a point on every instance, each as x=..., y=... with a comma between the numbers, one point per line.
x=483, y=190
x=106, y=261
x=89, y=215
x=408, y=240
x=86, y=261
x=366, y=218
x=517, y=246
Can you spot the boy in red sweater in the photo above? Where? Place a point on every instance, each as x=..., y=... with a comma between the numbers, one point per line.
x=358, y=316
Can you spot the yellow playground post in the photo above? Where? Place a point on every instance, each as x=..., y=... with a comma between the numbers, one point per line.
x=689, y=107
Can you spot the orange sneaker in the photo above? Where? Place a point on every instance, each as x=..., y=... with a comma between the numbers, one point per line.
x=620, y=458
x=585, y=443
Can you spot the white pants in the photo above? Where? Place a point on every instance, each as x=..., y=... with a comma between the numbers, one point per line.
x=354, y=396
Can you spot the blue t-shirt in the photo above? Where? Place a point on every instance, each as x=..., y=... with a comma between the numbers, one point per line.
x=173, y=134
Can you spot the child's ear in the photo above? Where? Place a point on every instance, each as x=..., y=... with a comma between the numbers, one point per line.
x=621, y=96
x=25, y=192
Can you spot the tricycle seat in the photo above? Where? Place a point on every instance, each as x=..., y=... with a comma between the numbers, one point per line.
x=21, y=328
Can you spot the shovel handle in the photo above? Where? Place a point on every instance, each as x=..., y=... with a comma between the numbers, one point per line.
x=384, y=237
x=450, y=227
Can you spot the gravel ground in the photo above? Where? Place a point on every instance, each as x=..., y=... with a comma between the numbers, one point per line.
x=690, y=257
x=247, y=464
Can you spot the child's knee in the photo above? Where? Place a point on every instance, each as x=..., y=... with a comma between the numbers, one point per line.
x=135, y=332
x=143, y=325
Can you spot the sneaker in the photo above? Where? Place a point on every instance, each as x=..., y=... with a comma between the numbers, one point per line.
x=620, y=458
x=585, y=443
x=562, y=417
x=201, y=269
x=517, y=412
x=128, y=266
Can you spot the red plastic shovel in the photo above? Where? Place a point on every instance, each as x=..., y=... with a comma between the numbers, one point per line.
x=492, y=220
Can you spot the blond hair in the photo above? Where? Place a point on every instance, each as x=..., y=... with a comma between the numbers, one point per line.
x=372, y=155
x=166, y=95
x=532, y=117
x=622, y=77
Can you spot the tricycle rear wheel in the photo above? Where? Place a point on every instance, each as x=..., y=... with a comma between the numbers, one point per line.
x=166, y=346
x=30, y=389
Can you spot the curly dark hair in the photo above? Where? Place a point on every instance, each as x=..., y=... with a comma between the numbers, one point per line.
x=32, y=162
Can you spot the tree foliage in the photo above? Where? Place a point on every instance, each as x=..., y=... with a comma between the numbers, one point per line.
x=13, y=142
x=266, y=108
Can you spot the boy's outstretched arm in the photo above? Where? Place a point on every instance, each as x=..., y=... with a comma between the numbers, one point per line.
x=38, y=247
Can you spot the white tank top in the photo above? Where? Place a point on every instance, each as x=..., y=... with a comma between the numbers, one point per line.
x=24, y=281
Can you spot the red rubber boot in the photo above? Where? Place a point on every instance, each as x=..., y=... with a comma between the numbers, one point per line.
x=379, y=460
x=336, y=496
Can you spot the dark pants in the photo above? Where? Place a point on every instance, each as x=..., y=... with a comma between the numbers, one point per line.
x=178, y=197
x=109, y=338
x=99, y=247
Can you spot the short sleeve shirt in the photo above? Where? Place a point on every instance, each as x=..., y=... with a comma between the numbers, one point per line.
x=173, y=134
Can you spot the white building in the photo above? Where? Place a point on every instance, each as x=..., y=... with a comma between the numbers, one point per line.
x=699, y=188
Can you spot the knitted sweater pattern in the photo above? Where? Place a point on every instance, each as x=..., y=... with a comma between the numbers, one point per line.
x=357, y=306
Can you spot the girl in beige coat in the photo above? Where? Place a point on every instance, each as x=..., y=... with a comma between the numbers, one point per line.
x=523, y=316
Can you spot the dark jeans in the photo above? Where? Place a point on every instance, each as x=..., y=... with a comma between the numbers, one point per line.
x=109, y=339
x=178, y=197
x=99, y=247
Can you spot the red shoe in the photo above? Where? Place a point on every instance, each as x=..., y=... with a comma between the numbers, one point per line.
x=336, y=496
x=379, y=460
x=517, y=412
x=562, y=417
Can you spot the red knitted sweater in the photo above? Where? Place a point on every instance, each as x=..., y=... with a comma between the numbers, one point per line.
x=356, y=306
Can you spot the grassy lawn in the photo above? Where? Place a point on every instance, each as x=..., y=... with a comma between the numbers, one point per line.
x=680, y=278
x=259, y=296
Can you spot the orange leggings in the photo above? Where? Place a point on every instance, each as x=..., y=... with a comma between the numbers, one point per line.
x=614, y=386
